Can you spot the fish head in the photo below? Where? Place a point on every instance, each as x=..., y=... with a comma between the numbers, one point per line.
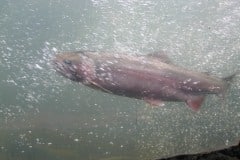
x=71, y=66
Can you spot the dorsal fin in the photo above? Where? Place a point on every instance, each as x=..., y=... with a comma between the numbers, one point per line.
x=160, y=55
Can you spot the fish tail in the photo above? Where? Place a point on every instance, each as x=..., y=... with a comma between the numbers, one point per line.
x=230, y=78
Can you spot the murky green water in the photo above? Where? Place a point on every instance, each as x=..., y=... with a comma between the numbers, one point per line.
x=45, y=116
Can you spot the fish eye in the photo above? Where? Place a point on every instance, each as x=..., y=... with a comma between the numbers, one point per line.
x=68, y=62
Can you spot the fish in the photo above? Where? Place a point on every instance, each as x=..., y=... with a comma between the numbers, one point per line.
x=152, y=78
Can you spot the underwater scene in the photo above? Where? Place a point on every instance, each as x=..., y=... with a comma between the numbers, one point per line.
x=44, y=115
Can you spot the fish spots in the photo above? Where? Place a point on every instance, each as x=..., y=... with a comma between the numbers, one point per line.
x=102, y=69
x=104, y=72
x=110, y=62
x=196, y=82
x=214, y=88
x=87, y=69
x=106, y=76
x=74, y=66
x=187, y=81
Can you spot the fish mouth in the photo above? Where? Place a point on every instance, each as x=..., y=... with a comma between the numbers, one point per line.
x=65, y=69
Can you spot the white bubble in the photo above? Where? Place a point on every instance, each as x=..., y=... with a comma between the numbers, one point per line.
x=76, y=140
x=54, y=49
x=38, y=67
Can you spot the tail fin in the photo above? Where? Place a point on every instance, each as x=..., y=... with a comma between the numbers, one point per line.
x=229, y=79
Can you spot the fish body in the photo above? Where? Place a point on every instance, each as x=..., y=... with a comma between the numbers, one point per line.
x=152, y=77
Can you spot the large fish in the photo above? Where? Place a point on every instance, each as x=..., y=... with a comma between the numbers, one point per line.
x=152, y=77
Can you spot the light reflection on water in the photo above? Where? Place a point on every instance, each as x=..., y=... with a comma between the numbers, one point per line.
x=44, y=116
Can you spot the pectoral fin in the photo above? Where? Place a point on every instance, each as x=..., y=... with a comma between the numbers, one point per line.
x=97, y=86
x=195, y=102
